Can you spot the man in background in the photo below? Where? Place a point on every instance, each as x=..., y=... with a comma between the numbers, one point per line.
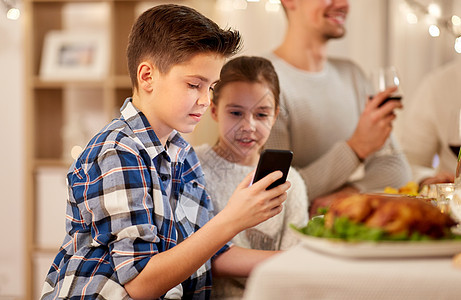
x=327, y=118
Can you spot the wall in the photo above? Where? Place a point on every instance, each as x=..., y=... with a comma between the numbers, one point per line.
x=12, y=155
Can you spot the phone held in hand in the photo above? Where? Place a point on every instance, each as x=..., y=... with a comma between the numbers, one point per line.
x=272, y=160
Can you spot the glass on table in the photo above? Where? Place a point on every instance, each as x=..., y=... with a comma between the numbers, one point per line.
x=455, y=204
x=455, y=209
x=445, y=192
x=429, y=192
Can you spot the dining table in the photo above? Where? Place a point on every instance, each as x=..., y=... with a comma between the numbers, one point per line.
x=306, y=272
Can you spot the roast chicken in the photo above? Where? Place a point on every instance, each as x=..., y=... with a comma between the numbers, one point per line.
x=394, y=214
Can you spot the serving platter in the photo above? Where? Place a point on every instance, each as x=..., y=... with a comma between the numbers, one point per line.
x=383, y=249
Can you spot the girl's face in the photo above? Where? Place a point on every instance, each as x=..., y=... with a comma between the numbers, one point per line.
x=245, y=114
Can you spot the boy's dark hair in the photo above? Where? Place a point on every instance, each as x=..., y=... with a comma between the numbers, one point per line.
x=248, y=69
x=171, y=34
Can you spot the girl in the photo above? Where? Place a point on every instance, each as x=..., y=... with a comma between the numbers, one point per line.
x=245, y=105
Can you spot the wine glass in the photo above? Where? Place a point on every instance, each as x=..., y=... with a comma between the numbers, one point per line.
x=382, y=79
x=386, y=77
x=445, y=192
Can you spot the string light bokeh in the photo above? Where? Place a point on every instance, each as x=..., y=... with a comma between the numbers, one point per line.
x=431, y=16
x=12, y=10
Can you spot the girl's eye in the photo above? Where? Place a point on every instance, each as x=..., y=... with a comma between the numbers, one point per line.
x=262, y=116
x=193, y=86
x=236, y=113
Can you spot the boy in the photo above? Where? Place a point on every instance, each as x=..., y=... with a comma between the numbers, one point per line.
x=138, y=217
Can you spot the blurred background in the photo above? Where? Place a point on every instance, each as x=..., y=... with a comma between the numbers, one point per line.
x=415, y=36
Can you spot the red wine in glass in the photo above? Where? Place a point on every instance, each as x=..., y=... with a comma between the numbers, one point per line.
x=392, y=97
x=383, y=78
x=455, y=149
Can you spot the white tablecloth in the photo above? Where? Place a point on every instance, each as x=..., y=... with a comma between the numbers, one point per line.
x=301, y=273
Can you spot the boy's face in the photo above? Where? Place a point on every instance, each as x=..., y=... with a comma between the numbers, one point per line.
x=245, y=114
x=180, y=97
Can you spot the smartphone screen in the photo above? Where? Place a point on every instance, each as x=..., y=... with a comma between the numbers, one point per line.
x=272, y=160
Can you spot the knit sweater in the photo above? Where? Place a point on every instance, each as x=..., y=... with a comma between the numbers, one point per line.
x=319, y=112
x=222, y=178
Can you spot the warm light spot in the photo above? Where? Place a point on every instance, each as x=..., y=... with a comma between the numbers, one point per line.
x=434, y=31
x=434, y=10
x=458, y=45
x=75, y=152
x=455, y=20
x=412, y=18
x=13, y=14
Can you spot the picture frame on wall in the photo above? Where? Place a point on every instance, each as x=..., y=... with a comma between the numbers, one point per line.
x=70, y=56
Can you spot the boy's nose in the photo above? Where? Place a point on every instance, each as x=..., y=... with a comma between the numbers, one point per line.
x=204, y=100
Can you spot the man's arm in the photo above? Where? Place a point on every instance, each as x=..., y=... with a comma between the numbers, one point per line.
x=325, y=174
x=386, y=169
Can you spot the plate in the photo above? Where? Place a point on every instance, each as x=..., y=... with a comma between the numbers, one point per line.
x=384, y=249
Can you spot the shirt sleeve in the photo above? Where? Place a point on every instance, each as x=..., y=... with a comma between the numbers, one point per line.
x=114, y=194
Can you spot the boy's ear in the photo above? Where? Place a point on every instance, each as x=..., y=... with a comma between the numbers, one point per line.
x=214, y=111
x=146, y=72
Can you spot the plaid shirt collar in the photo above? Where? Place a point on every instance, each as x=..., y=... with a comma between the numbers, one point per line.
x=177, y=147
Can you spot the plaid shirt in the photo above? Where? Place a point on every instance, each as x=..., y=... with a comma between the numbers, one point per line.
x=129, y=199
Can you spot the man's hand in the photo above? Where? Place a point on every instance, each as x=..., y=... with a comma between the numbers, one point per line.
x=374, y=126
x=441, y=177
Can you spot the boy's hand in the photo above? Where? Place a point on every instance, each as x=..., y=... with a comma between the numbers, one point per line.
x=251, y=205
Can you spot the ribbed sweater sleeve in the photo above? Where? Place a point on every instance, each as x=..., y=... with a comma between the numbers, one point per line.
x=387, y=167
x=330, y=171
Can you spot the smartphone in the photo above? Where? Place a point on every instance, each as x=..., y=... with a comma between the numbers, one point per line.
x=272, y=160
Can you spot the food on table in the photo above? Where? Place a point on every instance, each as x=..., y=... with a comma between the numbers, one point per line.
x=411, y=188
x=393, y=215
